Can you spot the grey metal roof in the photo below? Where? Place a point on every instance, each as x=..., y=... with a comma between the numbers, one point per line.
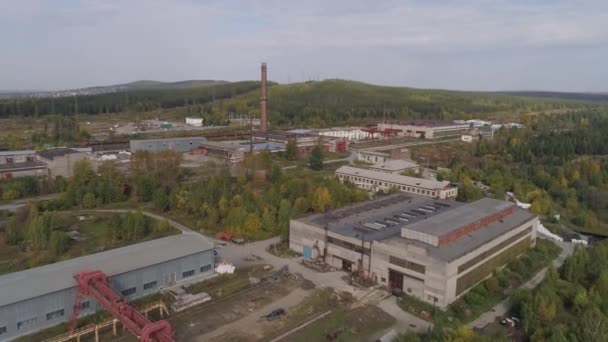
x=470, y=242
x=18, y=286
x=17, y=153
x=393, y=178
x=454, y=219
x=394, y=165
x=356, y=220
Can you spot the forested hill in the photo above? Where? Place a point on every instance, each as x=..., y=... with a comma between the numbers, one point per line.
x=332, y=102
x=329, y=102
x=596, y=97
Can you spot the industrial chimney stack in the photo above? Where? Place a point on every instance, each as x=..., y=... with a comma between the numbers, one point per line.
x=263, y=102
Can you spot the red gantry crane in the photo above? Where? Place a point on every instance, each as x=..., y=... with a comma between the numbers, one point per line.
x=95, y=284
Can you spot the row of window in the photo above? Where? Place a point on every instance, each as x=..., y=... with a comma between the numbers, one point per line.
x=387, y=184
x=87, y=304
x=348, y=245
x=407, y=264
x=493, y=250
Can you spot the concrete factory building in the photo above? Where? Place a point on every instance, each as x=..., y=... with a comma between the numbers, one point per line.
x=19, y=164
x=371, y=180
x=395, y=166
x=60, y=161
x=42, y=297
x=435, y=250
x=425, y=129
x=176, y=144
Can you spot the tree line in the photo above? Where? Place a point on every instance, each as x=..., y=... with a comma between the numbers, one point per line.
x=132, y=100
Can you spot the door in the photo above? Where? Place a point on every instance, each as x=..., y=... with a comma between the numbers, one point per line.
x=307, y=252
x=347, y=266
x=395, y=281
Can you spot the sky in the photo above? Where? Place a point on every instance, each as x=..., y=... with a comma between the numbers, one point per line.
x=558, y=45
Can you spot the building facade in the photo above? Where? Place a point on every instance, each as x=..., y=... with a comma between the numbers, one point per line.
x=43, y=297
x=350, y=133
x=425, y=129
x=174, y=144
x=431, y=249
x=61, y=161
x=375, y=181
x=20, y=163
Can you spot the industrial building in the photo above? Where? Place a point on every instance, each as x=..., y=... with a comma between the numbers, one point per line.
x=42, y=297
x=425, y=129
x=232, y=152
x=374, y=157
x=395, y=166
x=432, y=249
x=60, y=161
x=176, y=144
x=371, y=180
x=305, y=140
x=20, y=163
x=350, y=133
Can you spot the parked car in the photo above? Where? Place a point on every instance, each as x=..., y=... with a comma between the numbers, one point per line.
x=275, y=314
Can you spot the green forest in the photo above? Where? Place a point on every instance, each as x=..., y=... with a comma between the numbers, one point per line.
x=558, y=170
x=323, y=103
x=340, y=102
x=139, y=100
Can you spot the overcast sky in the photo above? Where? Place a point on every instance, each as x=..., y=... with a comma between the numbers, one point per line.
x=461, y=44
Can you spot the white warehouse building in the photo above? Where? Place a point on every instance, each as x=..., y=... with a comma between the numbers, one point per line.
x=377, y=180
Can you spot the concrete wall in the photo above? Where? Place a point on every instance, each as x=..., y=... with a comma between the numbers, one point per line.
x=179, y=145
x=432, y=283
x=165, y=274
x=452, y=269
x=426, y=132
x=303, y=235
x=64, y=165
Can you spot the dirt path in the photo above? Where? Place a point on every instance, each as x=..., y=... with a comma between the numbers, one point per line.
x=501, y=309
x=251, y=323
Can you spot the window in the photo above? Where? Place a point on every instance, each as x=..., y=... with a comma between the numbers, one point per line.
x=406, y=264
x=150, y=285
x=85, y=305
x=205, y=268
x=26, y=324
x=54, y=314
x=2, y=331
x=187, y=274
x=347, y=245
x=129, y=292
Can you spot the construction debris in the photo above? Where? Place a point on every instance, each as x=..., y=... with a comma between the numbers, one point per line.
x=225, y=268
x=184, y=300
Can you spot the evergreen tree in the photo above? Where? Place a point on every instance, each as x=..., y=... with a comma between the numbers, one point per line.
x=315, y=161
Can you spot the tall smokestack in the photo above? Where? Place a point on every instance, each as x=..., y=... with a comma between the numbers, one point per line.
x=264, y=101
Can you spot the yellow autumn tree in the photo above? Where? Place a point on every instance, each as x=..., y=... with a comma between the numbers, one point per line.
x=321, y=200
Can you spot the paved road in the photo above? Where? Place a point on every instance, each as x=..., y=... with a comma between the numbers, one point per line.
x=502, y=308
x=16, y=204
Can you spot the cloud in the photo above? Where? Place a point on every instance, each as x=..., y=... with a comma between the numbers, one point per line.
x=69, y=43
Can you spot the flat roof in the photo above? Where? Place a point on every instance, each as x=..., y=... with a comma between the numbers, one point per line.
x=17, y=153
x=51, y=153
x=449, y=221
x=244, y=145
x=393, y=178
x=467, y=243
x=367, y=218
x=394, y=165
x=170, y=139
x=38, y=281
x=425, y=123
